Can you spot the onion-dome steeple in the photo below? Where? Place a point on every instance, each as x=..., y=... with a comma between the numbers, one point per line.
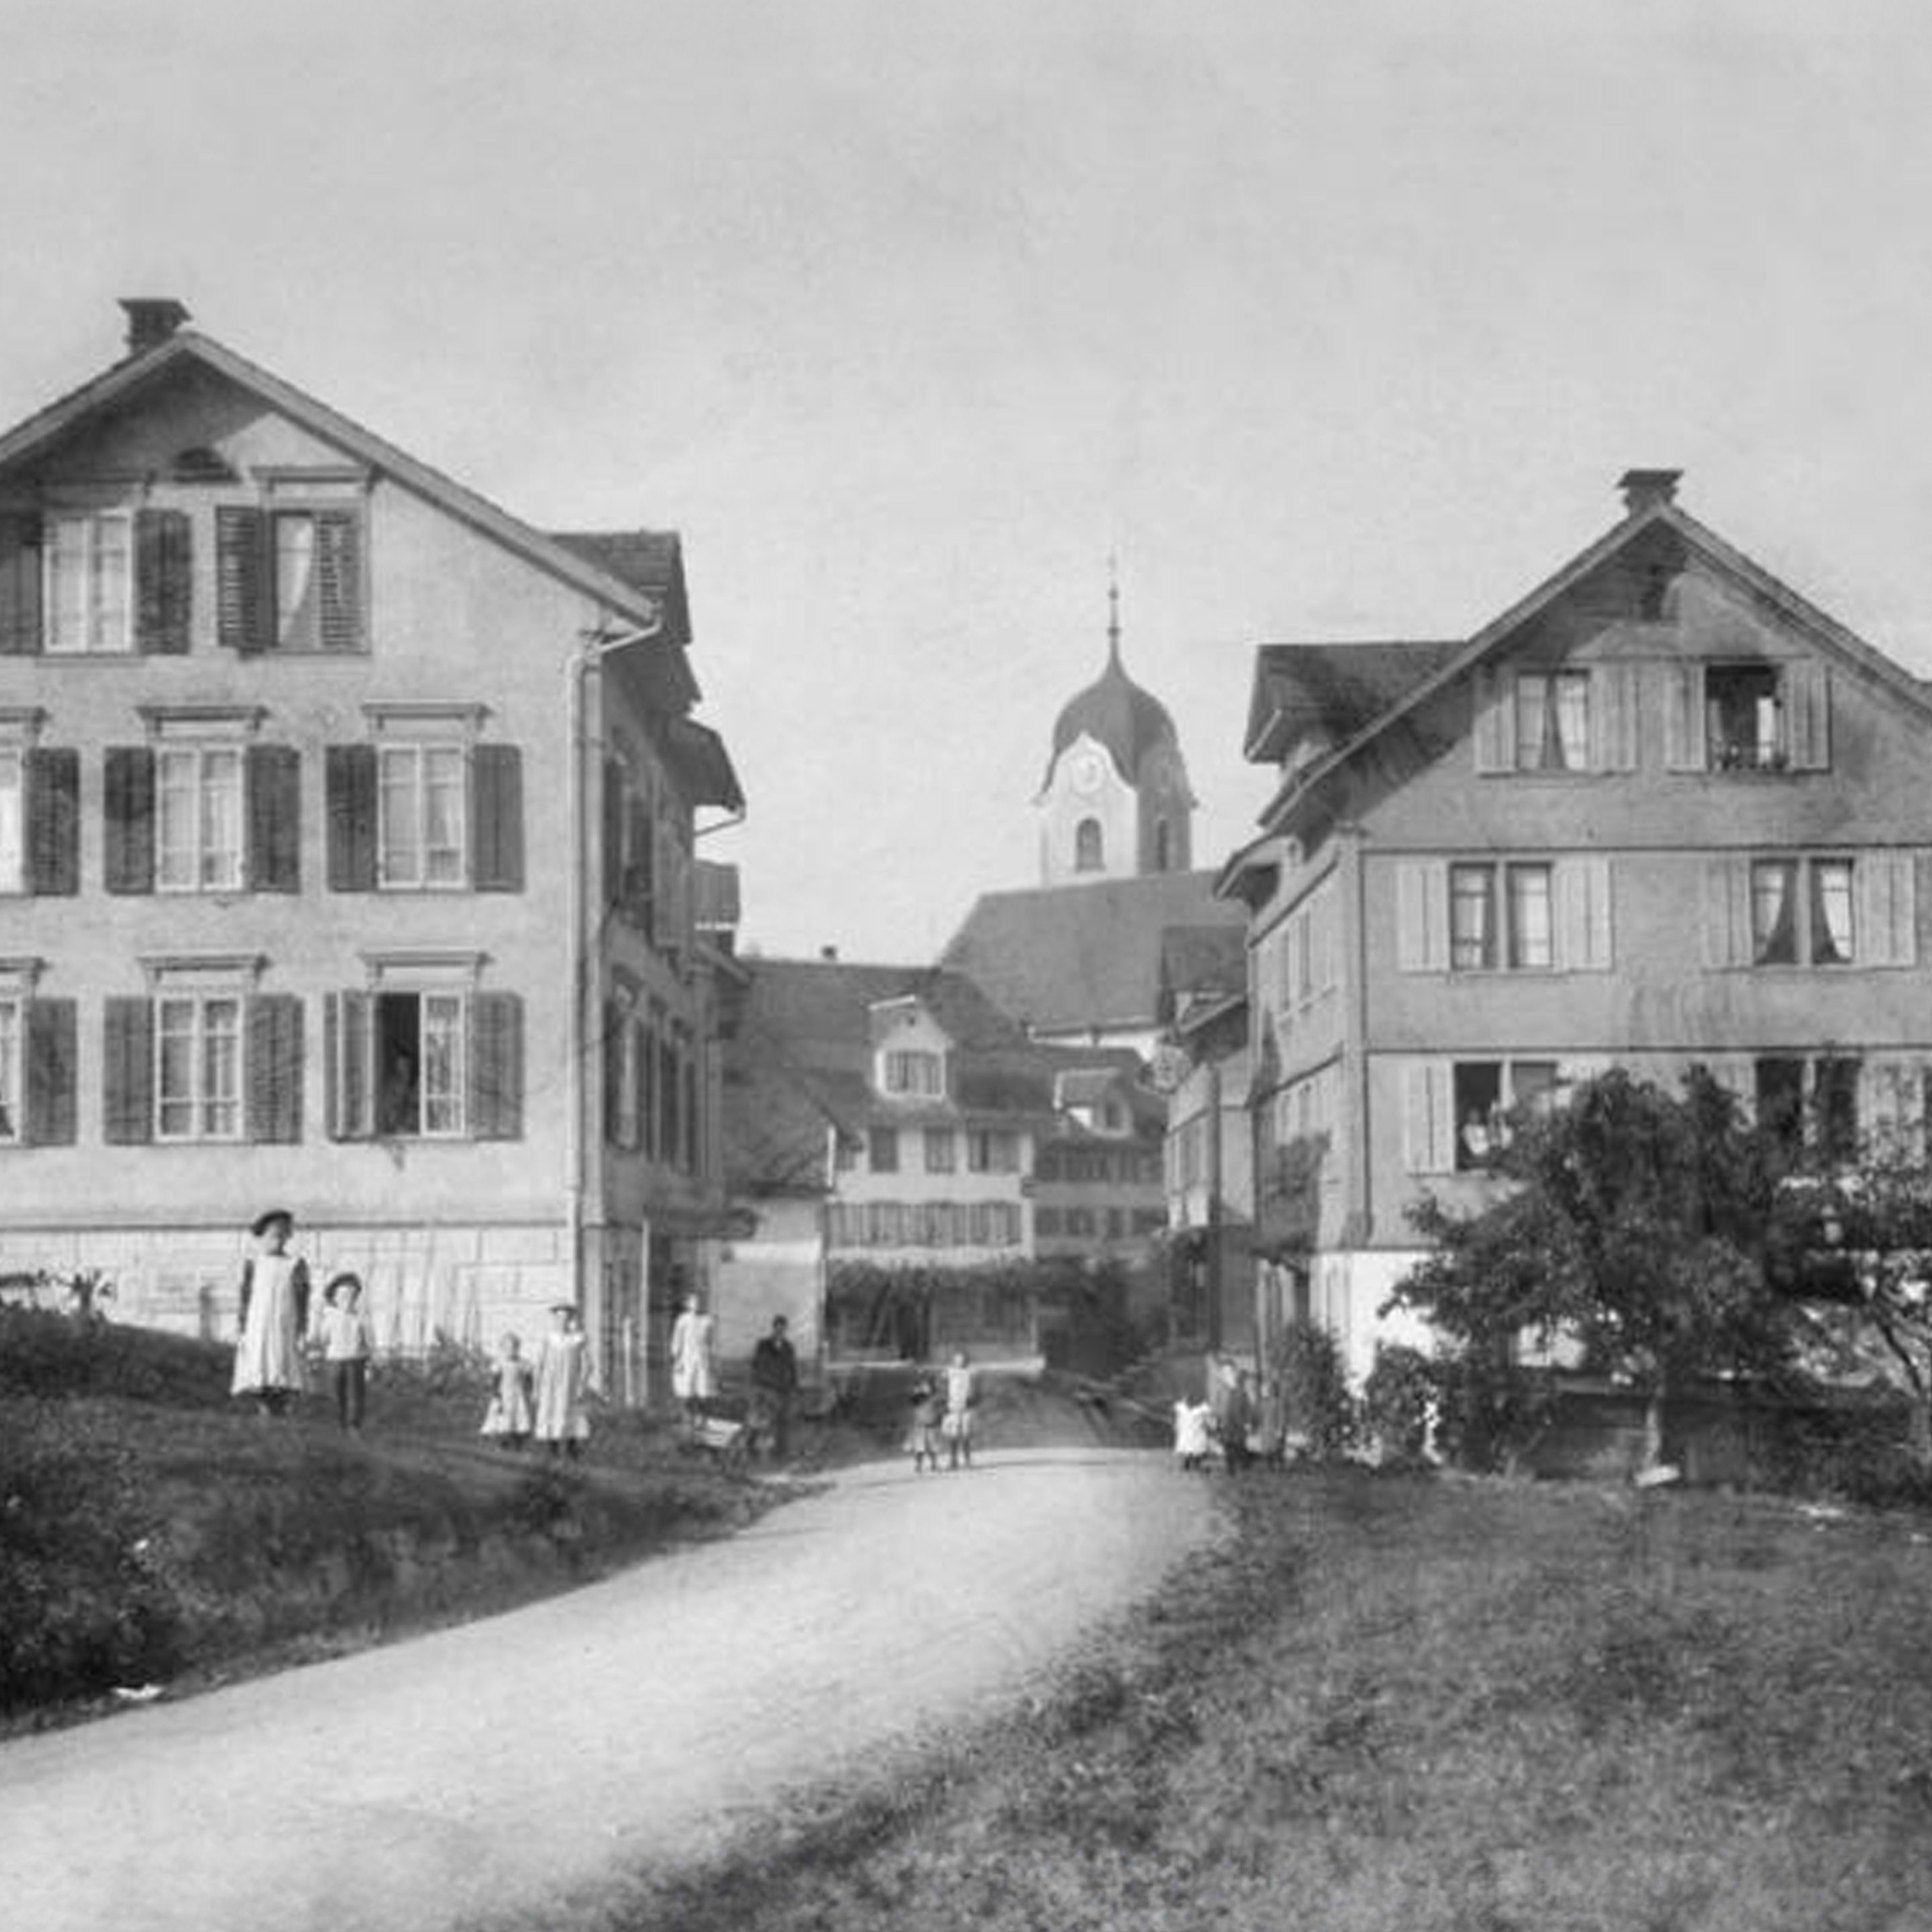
x=1114, y=711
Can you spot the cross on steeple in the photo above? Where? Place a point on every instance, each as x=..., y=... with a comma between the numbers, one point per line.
x=1113, y=610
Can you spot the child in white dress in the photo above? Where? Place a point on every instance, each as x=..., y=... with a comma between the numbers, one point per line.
x=511, y=1416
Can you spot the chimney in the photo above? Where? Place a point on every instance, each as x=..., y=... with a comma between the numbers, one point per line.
x=151, y=319
x=829, y=955
x=1644, y=488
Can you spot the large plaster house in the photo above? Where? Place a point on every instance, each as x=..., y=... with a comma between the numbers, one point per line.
x=1661, y=810
x=347, y=864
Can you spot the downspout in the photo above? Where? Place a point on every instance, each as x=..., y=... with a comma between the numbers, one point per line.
x=593, y=646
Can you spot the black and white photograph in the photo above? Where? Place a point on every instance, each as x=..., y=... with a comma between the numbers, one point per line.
x=966, y=967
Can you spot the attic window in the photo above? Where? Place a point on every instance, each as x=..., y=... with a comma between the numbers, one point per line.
x=201, y=464
x=1744, y=717
x=914, y=1075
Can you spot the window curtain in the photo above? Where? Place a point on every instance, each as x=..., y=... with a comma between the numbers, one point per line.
x=1831, y=930
x=1774, y=936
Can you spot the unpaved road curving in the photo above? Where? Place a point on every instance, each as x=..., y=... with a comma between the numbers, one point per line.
x=628, y=1724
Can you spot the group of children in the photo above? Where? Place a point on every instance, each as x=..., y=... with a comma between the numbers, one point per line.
x=942, y=1411
x=543, y=1400
x=1236, y=1423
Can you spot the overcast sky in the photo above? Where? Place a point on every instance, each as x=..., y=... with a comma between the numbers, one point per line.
x=1332, y=320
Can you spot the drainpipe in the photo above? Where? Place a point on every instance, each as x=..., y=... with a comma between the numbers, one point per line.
x=593, y=647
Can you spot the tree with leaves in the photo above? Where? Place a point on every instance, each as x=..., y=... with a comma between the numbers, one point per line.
x=1642, y=1224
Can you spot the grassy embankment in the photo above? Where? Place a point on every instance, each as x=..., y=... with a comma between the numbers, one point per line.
x=157, y=1534
x=1411, y=1703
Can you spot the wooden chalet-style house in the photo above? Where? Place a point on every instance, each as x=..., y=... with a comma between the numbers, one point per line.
x=346, y=865
x=1661, y=810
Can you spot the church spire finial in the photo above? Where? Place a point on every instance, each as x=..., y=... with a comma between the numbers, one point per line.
x=1114, y=611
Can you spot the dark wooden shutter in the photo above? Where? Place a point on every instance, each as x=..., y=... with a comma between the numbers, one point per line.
x=274, y=818
x=346, y=1028
x=350, y=776
x=275, y=1067
x=638, y=880
x=496, y=1066
x=128, y=1073
x=53, y=821
x=50, y=1073
x=338, y=577
x=497, y=786
x=242, y=610
x=127, y=819
x=613, y=832
x=20, y=628
x=613, y=1070
x=163, y=580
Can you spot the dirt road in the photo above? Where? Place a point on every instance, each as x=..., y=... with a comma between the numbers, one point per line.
x=630, y=1723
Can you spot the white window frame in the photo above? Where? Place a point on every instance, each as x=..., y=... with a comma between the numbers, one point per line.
x=1507, y=935
x=914, y=1073
x=196, y=861
x=406, y=864
x=214, y=1087
x=13, y=818
x=13, y=1069
x=102, y=628
x=441, y=1107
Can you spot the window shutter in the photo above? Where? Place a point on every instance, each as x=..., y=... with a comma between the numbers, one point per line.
x=275, y=1067
x=163, y=580
x=1583, y=914
x=1428, y=1117
x=613, y=1069
x=127, y=819
x=496, y=780
x=274, y=818
x=1727, y=930
x=641, y=1086
x=53, y=821
x=20, y=628
x=51, y=1056
x=1496, y=720
x=496, y=1066
x=1422, y=916
x=1613, y=719
x=241, y=610
x=1893, y=1099
x=1887, y=929
x=1805, y=688
x=638, y=887
x=350, y=781
x=613, y=832
x=128, y=1073
x=347, y=1047
x=1684, y=740
x=338, y=577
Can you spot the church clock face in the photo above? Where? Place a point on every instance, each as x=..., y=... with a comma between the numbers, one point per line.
x=1088, y=771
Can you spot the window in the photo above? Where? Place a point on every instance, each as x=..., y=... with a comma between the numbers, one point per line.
x=420, y=815
x=941, y=1154
x=1553, y=720
x=198, y=1068
x=288, y=579
x=1801, y=912
x=89, y=581
x=1486, y=1092
x=882, y=1153
x=992, y=1150
x=919, y=1074
x=12, y=1088
x=1046, y=1221
x=419, y=1059
x=1522, y=938
x=12, y=821
x=1788, y=1087
x=1089, y=854
x=1781, y=1100
x=1743, y=718
x=198, y=819
x=1163, y=846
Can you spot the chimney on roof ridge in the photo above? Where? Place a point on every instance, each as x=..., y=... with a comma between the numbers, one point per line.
x=151, y=319
x=1642, y=488
x=829, y=955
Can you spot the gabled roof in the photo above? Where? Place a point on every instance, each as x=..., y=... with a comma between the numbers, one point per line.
x=614, y=571
x=1062, y=958
x=1202, y=961
x=1656, y=513
x=1340, y=687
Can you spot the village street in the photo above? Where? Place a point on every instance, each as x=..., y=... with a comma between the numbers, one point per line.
x=636, y=1721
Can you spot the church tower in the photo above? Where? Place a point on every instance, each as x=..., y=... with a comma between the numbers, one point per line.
x=1115, y=803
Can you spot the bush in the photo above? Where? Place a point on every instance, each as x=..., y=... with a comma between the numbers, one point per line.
x=1489, y=1413
x=84, y=1602
x=1858, y=1451
x=49, y=1355
x=1318, y=1411
x=1397, y=1400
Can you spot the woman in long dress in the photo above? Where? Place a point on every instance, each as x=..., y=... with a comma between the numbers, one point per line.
x=273, y=1317
x=693, y=1381
x=562, y=1376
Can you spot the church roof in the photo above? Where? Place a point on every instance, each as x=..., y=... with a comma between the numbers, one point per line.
x=1065, y=958
x=1115, y=712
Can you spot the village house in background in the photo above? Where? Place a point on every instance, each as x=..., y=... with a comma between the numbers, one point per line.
x=1662, y=811
x=900, y=1155
x=346, y=841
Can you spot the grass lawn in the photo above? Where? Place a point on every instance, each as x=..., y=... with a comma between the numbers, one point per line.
x=1416, y=1702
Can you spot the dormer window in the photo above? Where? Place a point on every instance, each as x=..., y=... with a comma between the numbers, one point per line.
x=912, y=1075
x=1743, y=719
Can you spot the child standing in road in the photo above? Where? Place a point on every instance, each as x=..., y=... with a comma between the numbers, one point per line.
x=510, y=1416
x=347, y=1343
x=928, y=1408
